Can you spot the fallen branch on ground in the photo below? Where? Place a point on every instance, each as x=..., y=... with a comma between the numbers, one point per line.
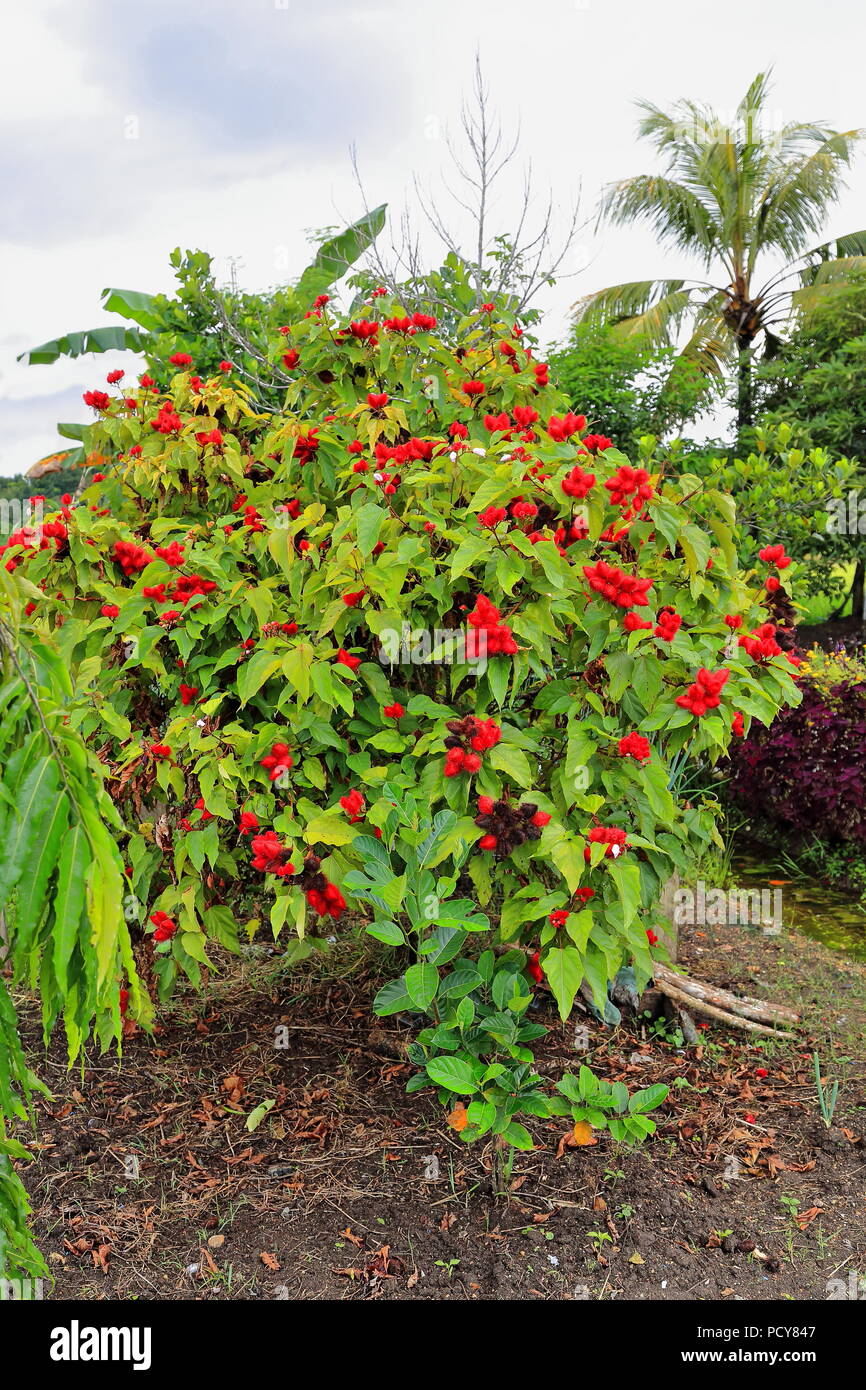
x=692, y=1001
x=758, y=1009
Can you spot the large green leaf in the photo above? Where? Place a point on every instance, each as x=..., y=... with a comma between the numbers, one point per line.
x=133, y=304
x=422, y=982
x=335, y=256
x=110, y=339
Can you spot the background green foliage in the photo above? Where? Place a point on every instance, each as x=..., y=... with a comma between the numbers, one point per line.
x=626, y=388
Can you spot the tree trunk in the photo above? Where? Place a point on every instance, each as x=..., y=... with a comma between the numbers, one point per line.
x=858, y=592
x=744, y=387
x=857, y=595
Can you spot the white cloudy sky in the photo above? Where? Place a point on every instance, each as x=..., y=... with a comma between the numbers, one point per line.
x=245, y=111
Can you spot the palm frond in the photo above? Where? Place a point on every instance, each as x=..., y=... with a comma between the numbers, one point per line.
x=649, y=309
x=755, y=97
x=675, y=213
x=825, y=280
x=854, y=244
x=711, y=344
x=793, y=205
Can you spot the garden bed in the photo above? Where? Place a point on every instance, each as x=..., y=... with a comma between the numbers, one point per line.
x=330, y=1197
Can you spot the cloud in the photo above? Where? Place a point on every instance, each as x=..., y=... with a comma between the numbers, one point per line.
x=128, y=129
x=164, y=96
x=27, y=434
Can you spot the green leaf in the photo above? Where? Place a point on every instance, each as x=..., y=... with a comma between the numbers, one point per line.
x=452, y=1073
x=296, y=668
x=422, y=982
x=563, y=967
x=513, y=763
x=647, y=1099
x=31, y=901
x=69, y=900
x=329, y=830
x=392, y=998
x=255, y=672
x=468, y=552
x=695, y=545
x=256, y=1116
x=369, y=519
x=110, y=339
x=619, y=666
x=626, y=876
x=34, y=802
x=460, y=982
x=335, y=256
x=135, y=305
x=481, y=1114
x=518, y=1136
x=443, y=823
x=389, y=932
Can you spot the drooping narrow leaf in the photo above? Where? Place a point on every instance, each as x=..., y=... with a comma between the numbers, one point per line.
x=69, y=900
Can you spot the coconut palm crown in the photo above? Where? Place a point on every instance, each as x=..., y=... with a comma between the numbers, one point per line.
x=742, y=198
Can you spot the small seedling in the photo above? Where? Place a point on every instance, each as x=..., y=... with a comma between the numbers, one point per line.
x=828, y=1094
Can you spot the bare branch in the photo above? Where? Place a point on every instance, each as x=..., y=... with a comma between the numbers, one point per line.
x=515, y=265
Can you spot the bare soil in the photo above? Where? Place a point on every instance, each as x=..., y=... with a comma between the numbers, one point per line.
x=349, y=1189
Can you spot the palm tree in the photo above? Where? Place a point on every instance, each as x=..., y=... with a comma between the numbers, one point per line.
x=733, y=196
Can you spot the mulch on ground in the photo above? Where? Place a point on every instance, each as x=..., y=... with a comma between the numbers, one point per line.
x=148, y=1184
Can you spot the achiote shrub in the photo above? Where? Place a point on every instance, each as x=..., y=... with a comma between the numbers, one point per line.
x=420, y=601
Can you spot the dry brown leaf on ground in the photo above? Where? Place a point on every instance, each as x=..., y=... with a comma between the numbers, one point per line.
x=805, y=1218
x=235, y=1087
